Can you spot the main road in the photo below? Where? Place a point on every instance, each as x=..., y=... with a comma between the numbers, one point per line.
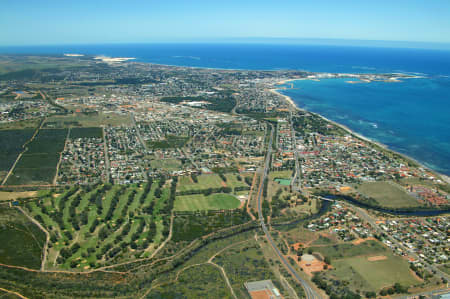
x=309, y=292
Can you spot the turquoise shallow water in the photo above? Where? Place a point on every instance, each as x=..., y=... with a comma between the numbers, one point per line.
x=411, y=117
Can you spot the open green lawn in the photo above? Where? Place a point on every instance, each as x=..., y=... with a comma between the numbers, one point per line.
x=388, y=194
x=373, y=275
x=196, y=202
x=232, y=180
x=205, y=181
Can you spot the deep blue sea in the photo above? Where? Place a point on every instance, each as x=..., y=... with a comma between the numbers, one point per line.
x=411, y=117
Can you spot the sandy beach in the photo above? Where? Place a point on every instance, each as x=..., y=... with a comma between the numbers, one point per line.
x=348, y=130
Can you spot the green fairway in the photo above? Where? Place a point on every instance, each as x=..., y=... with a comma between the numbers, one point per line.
x=90, y=227
x=200, y=202
x=388, y=194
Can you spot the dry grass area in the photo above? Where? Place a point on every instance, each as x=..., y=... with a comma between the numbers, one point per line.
x=388, y=194
x=360, y=240
x=300, y=235
x=5, y=196
x=377, y=258
x=311, y=266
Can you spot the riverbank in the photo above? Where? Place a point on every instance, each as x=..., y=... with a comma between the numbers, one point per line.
x=381, y=146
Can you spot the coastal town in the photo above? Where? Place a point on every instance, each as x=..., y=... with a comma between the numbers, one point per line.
x=130, y=166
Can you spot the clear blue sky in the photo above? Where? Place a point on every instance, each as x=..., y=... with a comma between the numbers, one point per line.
x=30, y=22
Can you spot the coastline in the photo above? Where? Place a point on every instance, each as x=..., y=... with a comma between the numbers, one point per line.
x=290, y=101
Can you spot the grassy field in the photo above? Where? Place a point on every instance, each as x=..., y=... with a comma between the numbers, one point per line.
x=16, y=195
x=350, y=250
x=299, y=235
x=21, y=241
x=90, y=120
x=206, y=181
x=93, y=132
x=285, y=174
x=388, y=194
x=20, y=125
x=445, y=268
x=232, y=181
x=168, y=164
x=188, y=226
x=203, y=281
x=322, y=240
x=243, y=263
x=171, y=141
x=200, y=202
x=38, y=164
x=369, y=266
x=11, y=146
x=373, y=275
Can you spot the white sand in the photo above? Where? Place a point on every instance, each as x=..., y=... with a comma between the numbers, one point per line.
x=113, y=60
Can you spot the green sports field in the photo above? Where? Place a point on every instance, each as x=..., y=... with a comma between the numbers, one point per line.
x=197, y=202
x=205, y=181
x=374, y=275
x=388, y=195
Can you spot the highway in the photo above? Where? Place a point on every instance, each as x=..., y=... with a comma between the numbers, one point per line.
x=310, y=293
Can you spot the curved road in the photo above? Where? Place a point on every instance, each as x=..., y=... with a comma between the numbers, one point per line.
x=309, y=292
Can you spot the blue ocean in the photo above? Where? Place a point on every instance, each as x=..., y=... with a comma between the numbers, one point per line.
x=411, y=117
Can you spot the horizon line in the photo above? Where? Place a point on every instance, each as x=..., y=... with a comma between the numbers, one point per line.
x=262, y=40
